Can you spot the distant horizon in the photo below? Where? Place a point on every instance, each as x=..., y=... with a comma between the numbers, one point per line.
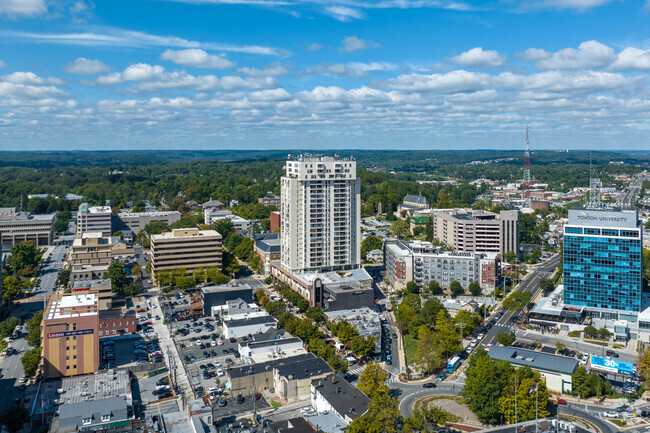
x=336, y=74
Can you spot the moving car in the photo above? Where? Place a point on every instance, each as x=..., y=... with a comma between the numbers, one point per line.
x=429, y=385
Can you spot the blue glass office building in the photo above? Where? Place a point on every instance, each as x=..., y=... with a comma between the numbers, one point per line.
x=602, y=261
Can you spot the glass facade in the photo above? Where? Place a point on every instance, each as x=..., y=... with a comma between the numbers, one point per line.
x=602, y=268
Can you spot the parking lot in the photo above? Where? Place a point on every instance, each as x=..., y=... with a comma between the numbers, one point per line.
x=122, y=352
x=227, y=406
x=149, y=384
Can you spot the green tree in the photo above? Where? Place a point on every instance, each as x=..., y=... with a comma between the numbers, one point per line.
x=117, y=274
x=411, y=287
x=383, y=416
x=581, y=382
x=475, y=288
x=24, y=255
x=8, y=326
x=455, y=288
x=30, y=361
x=428, y=230
x=233, y=267
x=373, y=380
x=529, y=390
x=255, y=262
x=400, y=228
x=345, y=331
x=434, y=288
x=484, y=384
x=446, y=336
x=546, y=285
x=370, y=243
x=428, y=356
x=516, y=301
x=224, y=226
x=559, y=346
x=244, y=249
x=10, y=288
x=644, y=366
x=315, y=314
x=506, y=338
x=362, y=346
x=14, y=417
x=64, y=277
x=33, y=328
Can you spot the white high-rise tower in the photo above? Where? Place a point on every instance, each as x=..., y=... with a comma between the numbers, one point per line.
x=321, y=212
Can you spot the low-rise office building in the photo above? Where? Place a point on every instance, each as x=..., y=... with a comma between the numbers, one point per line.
x=256, y=352
x=364, y=320
x=94, y=402
x=333, y=290
x=215, y=297
x=334, y=394
x=136, y=221
x=291, y=374
x=241, y=325
x=292, y=381
x=241, y=225
x=270, y=200
x=555, y=370
x=16, y=227
x=101, y=286
x=90, y=256
x=69, y=337
x=94, y=219
x=116, y=322
x=185, y=248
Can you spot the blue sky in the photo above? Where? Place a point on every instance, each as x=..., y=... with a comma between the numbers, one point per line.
x=275, y=74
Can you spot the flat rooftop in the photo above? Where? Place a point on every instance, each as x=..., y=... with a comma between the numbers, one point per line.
x=345, y=398
x=60, y=307
x=226, y=288
x=255, y=318
x=79, y=389
x=535, y=360
x=186, y=234
x=91, y=284
x=153, y=213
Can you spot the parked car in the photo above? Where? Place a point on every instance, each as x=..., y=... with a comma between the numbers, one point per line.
x=429, y=385
x=561, y=401
x=610, y=414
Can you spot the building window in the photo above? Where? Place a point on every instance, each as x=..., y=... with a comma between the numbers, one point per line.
x=100, y=333
x=87, y=421
x=74, y=338
x=106, y=418
x=74, y=356
x=74, y=347
x=114, y=332
x=67, y=358
x=74, y=366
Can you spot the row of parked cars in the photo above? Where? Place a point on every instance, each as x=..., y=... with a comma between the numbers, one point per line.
x=147, y=351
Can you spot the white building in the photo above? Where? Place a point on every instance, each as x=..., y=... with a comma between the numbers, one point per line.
x=242, y=225
x=241, y=325
x=334, y=394
x=262, y=351
x=320, y=204
x=135, y=221
x=94, y=219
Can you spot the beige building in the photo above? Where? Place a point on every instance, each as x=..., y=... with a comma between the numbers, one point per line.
x=90, y=256
x=477, y=231
x=136, y=221
x=101, y=287
x=16, y=227
x=185, y=248
x=69, y=337
x=94, y=219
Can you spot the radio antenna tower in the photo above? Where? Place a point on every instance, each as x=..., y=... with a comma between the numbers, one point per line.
x=594, y=188
x=526, y=184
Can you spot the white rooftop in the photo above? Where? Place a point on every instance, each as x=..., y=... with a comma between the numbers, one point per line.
x=61, y=307
x=93, y=235
x=100, y=209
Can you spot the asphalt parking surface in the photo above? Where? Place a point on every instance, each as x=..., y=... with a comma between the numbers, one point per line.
x=147, y=385
x=232, y=409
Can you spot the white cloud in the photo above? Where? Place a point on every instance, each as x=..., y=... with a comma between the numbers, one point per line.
x=352, y=70
x=197, y=58
x=590, y=54
x=314, y=47
x=2, y=64
x=29, y=78
x=632, y=59
x=272, y=70
x=26, y=87
x=17, y=8
x=154, y=77
x=578, y=5
x=115, y=37
x=344, y=13
x=353, y=43
x=477, y=58
x=85, y=66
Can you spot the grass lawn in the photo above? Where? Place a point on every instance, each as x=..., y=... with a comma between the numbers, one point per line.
x=410, y=346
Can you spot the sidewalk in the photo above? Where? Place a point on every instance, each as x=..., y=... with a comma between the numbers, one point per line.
x=172, y=357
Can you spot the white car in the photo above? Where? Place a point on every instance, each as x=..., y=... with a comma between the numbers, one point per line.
x=22, y=379
x=198, y=342
x=213, y=343
x=219, y=343
x=220, y=372
x=610, y=414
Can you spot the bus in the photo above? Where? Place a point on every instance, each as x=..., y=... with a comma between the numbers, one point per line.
x=453, y=364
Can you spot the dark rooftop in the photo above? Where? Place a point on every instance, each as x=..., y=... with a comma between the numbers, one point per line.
x=304, y=369
x=535, y=360
x=344, y=398
x=267, y=366
x=293, y=425
x=248, y=321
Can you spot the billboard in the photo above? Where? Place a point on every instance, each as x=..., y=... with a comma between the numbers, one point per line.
x=611, y=365
x=69, y=333
x=602, y=218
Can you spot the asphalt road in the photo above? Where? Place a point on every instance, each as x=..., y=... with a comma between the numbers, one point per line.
x=409, y=394
x=12, y=370
x=530, y=284
x=630, y=195
x=590, y=413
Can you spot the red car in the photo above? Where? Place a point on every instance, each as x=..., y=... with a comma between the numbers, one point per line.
x=561, y=401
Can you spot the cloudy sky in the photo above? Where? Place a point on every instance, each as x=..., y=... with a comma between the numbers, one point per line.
x=324, y=74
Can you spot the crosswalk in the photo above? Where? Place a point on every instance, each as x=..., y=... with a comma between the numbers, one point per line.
x=358, y=370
